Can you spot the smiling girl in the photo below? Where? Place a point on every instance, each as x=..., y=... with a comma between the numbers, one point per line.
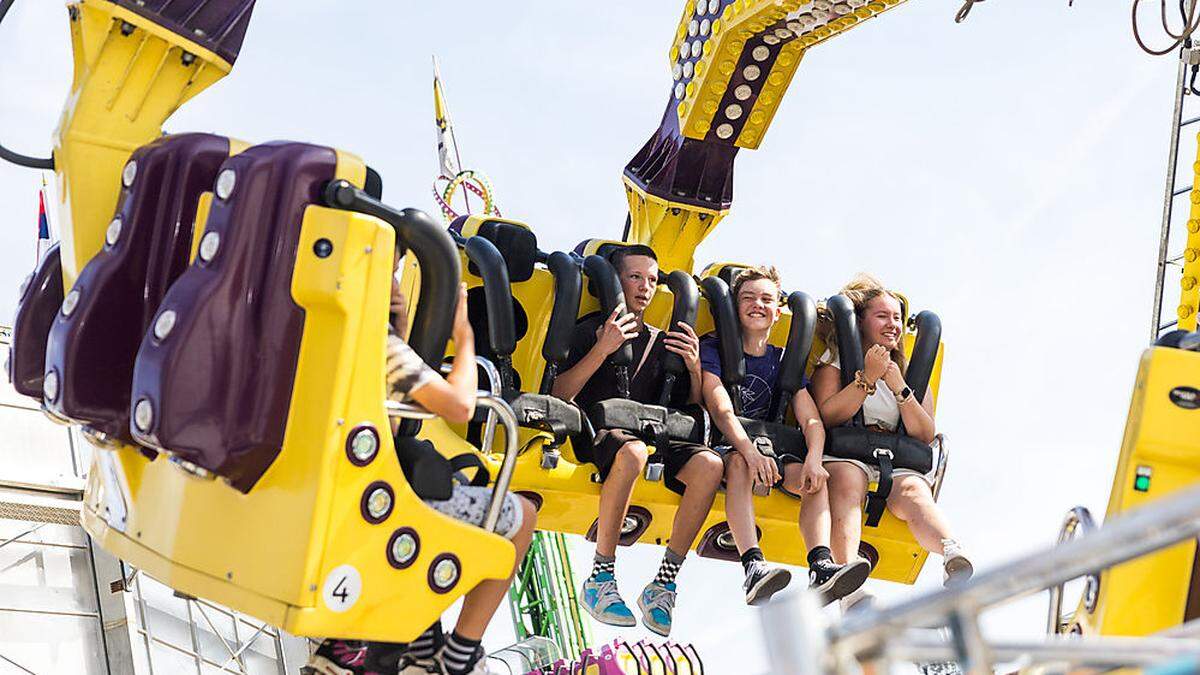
x=885, y=399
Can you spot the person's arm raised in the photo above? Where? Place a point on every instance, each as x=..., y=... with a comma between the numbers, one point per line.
x=453, y=398
x=609, y=337
x=917, y=415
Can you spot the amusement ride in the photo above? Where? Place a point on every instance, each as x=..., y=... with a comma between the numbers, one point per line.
x=213, y=320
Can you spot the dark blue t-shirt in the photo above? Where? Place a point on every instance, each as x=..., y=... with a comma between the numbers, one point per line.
x=762, y=375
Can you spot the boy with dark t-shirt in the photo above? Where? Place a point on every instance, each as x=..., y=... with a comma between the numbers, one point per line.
x=757, y=294
x=690, y=469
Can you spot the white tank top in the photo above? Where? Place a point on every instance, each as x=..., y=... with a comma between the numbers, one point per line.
x=879, y=408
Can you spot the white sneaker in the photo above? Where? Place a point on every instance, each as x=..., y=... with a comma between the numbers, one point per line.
x=861, y=600
x=957, y=568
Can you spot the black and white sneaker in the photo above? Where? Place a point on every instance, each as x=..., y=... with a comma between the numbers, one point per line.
x=763, y=581
x=834, y=582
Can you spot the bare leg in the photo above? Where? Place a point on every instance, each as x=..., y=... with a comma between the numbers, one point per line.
x=616, y=493
x=912, y=501
x=847, y=487
x=481, y=602
x=815, y=521
x=739, y=507
x=702, y=476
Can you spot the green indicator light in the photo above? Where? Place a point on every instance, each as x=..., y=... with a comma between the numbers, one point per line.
x=1141, y=483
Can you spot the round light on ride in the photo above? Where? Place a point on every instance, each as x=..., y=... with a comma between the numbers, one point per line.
x=688, y=69
x=143, y=415
x=693, y=27
x=824, y=5
x=713, y=6
x=724, y=131
x=129, y=173
x=403, y=548
x=733, y=111
x=113, y=233
x=796, y=27
x=163, y=324
x=761, y=53
x=676, y=71
x=379, y=503
x=742, y=92
x=50, y=386
x=70, y=302
x=701, y=5
x=705, y=26
x=751, y=72
x=362, y=445
x=679, y=91
x=783, y=34
x=445, y=574
x=209, y=245
x=842, y=9
x=225, y=183
x=770, y=39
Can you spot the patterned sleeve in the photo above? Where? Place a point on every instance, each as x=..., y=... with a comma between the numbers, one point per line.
x=406, y=372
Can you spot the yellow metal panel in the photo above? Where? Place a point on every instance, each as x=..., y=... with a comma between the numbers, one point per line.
x=270, y=552
x=124, y=88
x=1150, y=594
x=743, y=23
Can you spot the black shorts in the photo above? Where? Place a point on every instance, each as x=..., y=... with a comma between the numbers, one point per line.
x=674, y=457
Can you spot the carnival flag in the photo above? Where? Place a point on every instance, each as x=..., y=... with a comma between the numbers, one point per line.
x=43, y=242
x=448, y=159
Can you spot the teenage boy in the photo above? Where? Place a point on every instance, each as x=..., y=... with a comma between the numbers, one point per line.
x=757, y=292
x=689, y=469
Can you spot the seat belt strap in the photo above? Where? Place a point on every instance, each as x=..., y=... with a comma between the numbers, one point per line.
x=877, y=500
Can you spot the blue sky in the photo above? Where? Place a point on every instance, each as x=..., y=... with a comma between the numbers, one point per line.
x=1006, y=172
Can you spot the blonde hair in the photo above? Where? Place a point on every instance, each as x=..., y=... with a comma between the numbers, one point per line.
x=860, y=290
x=754, y=274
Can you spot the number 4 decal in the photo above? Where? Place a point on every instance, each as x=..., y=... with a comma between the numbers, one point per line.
x=342, y=588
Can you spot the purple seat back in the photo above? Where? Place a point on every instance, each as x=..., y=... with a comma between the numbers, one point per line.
x=41, y=298
x=146, y=249
x=218, y=387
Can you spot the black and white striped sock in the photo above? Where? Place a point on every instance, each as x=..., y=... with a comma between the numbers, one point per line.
x=602, y=564
x=669, y=568
x=425, y=646
x=460, y=654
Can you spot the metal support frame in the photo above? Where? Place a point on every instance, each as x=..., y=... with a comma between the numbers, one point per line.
x=1171, y=192
x=797, y=633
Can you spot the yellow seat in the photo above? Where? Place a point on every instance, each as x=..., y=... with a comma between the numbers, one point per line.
x=329, y=539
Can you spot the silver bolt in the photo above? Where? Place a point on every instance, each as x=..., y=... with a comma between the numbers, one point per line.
x=209, y=245
x=113, y=233
x=164, y=324
x=225, y=183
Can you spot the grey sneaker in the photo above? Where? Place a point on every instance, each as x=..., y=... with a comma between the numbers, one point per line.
x=657, y=603
x=763, y=581
x=602, y=600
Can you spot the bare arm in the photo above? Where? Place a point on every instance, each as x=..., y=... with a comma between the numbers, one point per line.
x=837, y=404
x=609, y=337
x=917, y=415
x=453, y=398
x=809, y=421
x=686, y=344
x=720, y=407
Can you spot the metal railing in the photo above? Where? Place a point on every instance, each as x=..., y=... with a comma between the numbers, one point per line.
x=801, y=642
x=497, y=406
x=1078, y=520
